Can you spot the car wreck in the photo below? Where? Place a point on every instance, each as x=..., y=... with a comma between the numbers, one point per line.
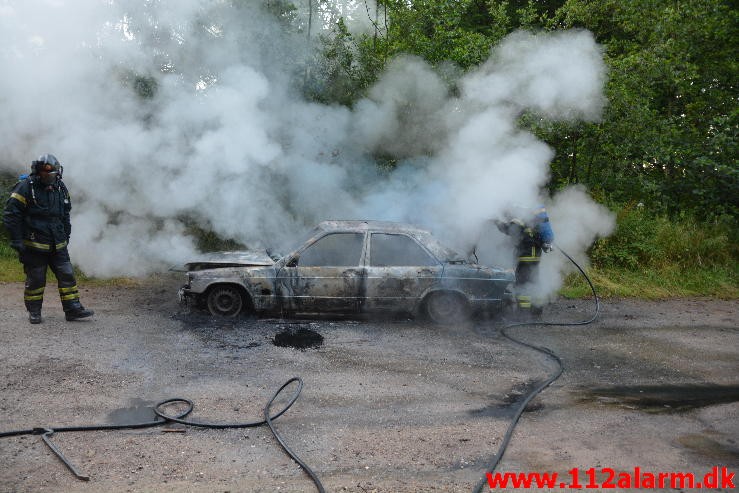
x=350, y=267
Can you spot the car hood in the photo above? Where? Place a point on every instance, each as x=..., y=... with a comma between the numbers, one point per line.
x=229, y=259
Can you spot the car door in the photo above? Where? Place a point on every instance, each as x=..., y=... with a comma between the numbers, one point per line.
x=326, y=276
x=399, y=271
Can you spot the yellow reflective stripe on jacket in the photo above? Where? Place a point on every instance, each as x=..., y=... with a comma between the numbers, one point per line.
x=44, y=246
x=533, y=257
x=68, y=290
x=20, y=198
x=37, y=246
x=34, y=291
x=524, y=301
x=34, y=298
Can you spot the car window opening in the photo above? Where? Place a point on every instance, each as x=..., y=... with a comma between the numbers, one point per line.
x=391, y=250
x=334, y=250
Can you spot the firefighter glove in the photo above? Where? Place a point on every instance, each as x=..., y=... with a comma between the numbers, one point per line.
x=547, y=247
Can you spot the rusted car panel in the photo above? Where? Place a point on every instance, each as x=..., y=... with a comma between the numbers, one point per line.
x=474, y=281
x=351, y=267
x=398, y=288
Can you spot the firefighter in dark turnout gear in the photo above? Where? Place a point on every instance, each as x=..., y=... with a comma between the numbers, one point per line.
x=532, y=235
x=37, y=219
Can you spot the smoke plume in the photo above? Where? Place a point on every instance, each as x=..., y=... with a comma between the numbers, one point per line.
x=166, y=113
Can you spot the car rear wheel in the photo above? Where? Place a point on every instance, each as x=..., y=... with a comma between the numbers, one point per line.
x=446, y=308
x=225, y=301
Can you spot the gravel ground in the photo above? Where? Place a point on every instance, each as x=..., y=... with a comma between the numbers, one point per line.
x=394, y=405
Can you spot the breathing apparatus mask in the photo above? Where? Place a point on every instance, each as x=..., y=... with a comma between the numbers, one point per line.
x=47, y=168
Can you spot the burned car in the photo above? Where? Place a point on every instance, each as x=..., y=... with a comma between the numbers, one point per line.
x=350, y=267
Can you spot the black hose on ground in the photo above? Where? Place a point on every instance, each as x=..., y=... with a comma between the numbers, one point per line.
x=163, y=418
x=554, y=376
x=268, y=419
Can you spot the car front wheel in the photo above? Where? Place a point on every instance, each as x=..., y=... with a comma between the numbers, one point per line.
x=225, y=301
x=446, y=308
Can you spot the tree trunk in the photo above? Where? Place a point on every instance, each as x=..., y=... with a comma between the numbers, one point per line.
x=573, y=162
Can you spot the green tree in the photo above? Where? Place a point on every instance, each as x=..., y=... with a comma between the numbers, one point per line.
x=668, y=136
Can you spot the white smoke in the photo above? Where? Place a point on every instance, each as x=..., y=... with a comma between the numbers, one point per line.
x=578, y=220
x=225, y=140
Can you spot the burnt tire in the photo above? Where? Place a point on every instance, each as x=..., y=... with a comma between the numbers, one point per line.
x=225, y=301
x=446, y=308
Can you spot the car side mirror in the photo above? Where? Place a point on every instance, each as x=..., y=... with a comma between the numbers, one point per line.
x=273, y=255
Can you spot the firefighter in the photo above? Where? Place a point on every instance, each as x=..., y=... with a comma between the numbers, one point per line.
x=532, y=235
x=37, y=219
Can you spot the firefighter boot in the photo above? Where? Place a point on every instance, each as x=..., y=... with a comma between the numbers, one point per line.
x=33, y=305
x=75, y=311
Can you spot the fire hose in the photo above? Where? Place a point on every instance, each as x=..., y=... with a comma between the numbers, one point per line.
x=546, y=383
x=268, y=417
x=163, y=418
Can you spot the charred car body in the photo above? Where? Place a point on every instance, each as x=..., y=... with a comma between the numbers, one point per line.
x=350, y=267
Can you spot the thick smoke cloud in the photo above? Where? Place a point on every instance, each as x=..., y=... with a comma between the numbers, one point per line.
x=221, y=137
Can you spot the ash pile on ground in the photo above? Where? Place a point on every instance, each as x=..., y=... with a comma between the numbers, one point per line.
x=301, y=338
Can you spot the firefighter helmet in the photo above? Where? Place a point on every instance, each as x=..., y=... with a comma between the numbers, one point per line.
x=48, y=168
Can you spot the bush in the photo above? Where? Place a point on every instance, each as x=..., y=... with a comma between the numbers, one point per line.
x=7, y=180
x=633, y=243
x=208, y=241
x=644, y=241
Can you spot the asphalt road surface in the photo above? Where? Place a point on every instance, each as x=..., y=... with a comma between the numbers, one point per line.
x=391, y=405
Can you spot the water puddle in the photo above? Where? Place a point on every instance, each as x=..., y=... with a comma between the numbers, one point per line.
x=203, y=320
x=228, y=334
x=140, y=411
x=511, y=400
x=706, y=446
x=300, y=338
x=662, y=398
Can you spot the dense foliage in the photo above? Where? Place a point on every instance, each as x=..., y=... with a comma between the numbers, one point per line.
x=663, y=156
x=667, y=138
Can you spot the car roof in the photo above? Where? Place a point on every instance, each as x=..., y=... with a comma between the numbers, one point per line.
x=439, y=250
x=358, y=225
